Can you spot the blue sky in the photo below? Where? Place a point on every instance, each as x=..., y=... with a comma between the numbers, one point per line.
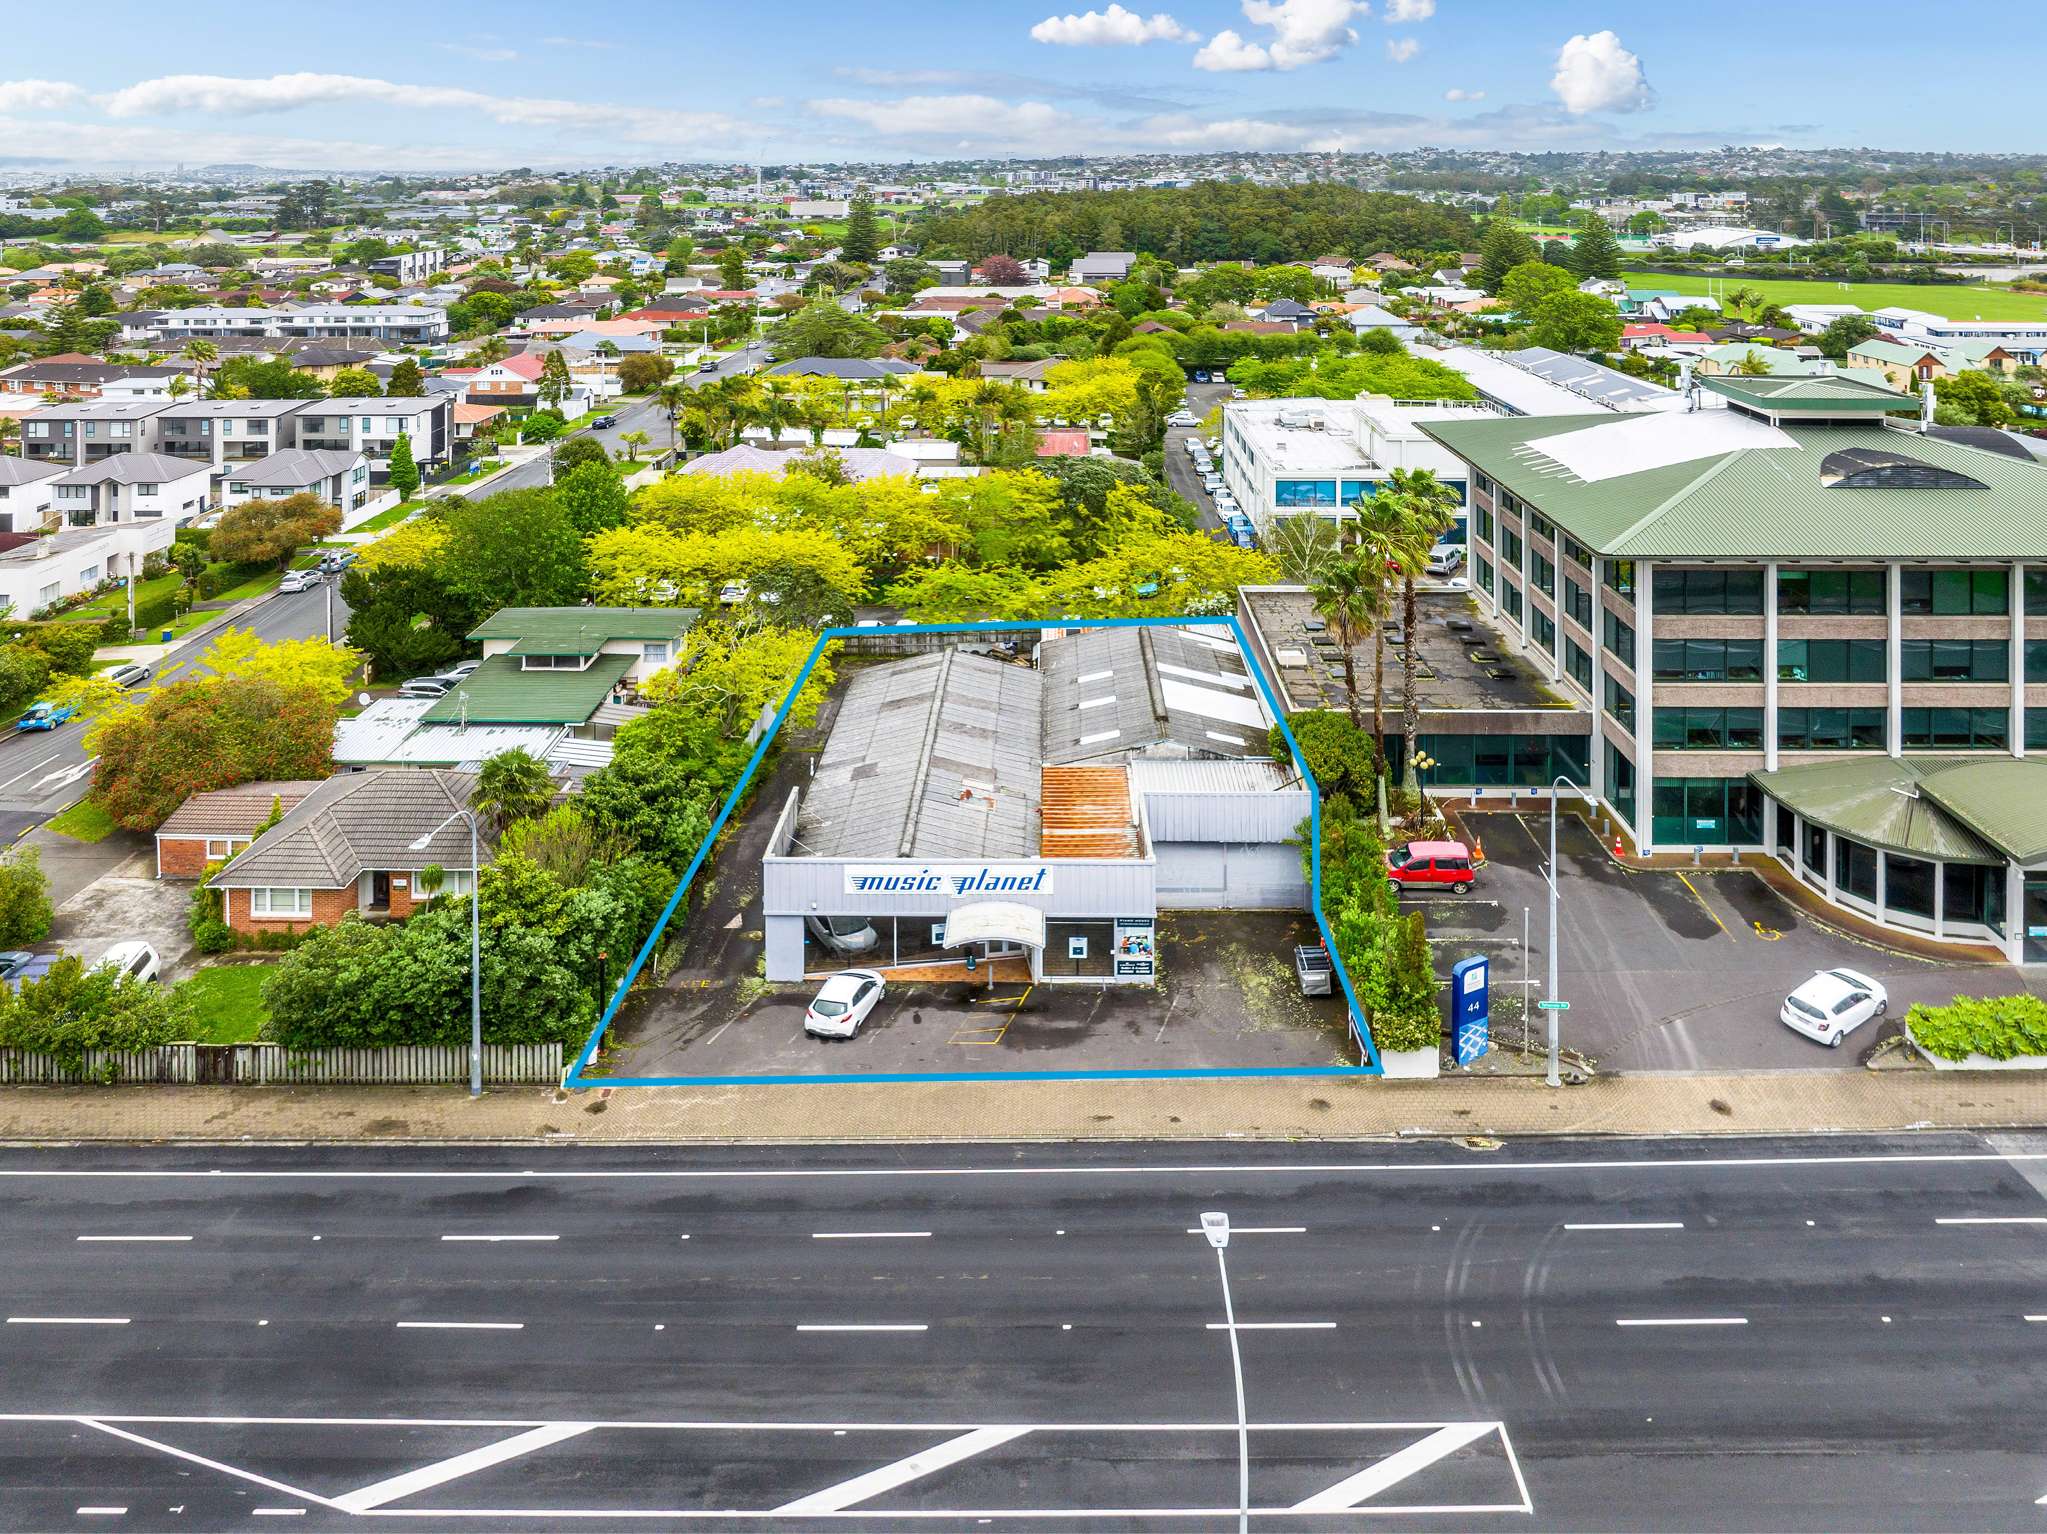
x=472, y=86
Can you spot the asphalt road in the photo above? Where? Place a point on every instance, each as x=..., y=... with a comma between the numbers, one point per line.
x=1180, y=472
x=42, y=773
x=633, y=415
x=1733, y=1335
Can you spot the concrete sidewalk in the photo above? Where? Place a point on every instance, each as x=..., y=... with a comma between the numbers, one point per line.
x=1335, y=1109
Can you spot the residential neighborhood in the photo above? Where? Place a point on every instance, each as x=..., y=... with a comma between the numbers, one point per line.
x=656, y=670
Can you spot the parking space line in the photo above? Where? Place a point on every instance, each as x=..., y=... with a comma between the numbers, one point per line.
x=1704, y=904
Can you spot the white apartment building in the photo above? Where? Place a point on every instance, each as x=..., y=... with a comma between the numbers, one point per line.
x=26, y=497
x=341, y=479
x=405, y=323
x=372, y=425
x=134, y=487
x=50, y=570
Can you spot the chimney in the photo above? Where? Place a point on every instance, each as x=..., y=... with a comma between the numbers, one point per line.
x=1926, y=404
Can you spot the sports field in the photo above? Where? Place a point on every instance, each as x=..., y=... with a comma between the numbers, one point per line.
x=1949, y=302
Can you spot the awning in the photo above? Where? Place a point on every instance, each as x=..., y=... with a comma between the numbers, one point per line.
x=994, y=921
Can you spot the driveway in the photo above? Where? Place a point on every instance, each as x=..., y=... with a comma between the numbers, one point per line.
x=1669, y=970
x=128, y=901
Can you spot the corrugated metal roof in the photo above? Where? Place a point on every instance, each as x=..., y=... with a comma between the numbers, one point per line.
x=1087, y=813
x=1768, y=502
x=2001, y=799
x=502, y=691
x=1883, y=801
x=1254, y=775
x=1113, y=693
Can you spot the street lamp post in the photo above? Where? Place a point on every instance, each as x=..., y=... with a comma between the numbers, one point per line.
x=1215, y=1225
x=1550, y=997
x=475, y=944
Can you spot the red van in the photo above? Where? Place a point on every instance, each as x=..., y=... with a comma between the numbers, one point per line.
x=1423, y=863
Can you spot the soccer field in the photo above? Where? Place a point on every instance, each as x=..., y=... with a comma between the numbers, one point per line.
x=1954, y=303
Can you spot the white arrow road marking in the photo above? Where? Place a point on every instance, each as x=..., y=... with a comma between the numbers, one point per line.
x=861, y=1487
x=1394, y=1468
x=429, y=1476
x=63, y=777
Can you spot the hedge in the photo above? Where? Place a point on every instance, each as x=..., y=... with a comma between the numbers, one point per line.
x=1999, y=1027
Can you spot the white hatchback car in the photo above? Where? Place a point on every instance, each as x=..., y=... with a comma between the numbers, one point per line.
x=842, y=1004
x=134, y=958
x=1833, y=1004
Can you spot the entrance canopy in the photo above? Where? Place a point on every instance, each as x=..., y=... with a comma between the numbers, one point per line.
x=994, y=921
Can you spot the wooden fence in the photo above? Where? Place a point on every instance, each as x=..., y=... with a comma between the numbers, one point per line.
x=274, y=1065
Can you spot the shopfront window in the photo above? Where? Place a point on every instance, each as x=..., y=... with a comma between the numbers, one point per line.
x=1080, y=948
x=1973, y=892
x=1855, y=869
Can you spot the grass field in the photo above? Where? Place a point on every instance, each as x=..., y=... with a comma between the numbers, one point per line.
x=390, y=517
x=227, y=1002
x=1949, y=302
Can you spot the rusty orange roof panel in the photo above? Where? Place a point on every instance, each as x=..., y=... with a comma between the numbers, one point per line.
x=1086, y=812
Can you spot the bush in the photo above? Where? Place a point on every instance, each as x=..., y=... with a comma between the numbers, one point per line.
x=115, y=630
x=73, y=1009
x=155, y=613
x=68, y=647
x=25, y=909
x=1999, y=1027
x=1385, y=953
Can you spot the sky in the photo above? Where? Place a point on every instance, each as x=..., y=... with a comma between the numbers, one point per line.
x=465, y=86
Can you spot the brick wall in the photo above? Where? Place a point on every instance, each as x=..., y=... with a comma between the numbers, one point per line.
x=180, y=857
x=329, y=906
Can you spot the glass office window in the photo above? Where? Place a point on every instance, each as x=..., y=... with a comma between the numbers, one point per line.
x=1955, y=593
x=1830, y=729
x=1510, y=546
x=1543, y=574
x=1304, y=492
x=1578, y=604
x=1955, y=729
x=1578, y=664
x=1708, y=591
x=1620, y=782
x=1855, y=869
x=1545, y=629
x=1709, y=728
x=1512, y=599
x=1831, y=660
x=1849, y=592
x=1709, y=660
x=1955, y=660
x=1620, y=575
x=1485, y=575
x=1621, y=704
x=1710, y=812
x=1908, y=885
x=1620, y=638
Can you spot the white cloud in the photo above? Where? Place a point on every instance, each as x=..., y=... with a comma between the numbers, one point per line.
x=129, y=144
x=1458, y=93
x=481, y=55
x=36, y=95
x=1303, y=32
x=1399, y=12
x=1111, y=28
x=1401, y=49
x=1596, y=74
x=965, y=119
x=229, y=96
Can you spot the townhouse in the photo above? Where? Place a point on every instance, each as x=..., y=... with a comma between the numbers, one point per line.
x=404, y=324
x=27, y=496
x=226, y=432
x=1802, y=626
x=372, y=425
x=342, y=479
x=90, y=430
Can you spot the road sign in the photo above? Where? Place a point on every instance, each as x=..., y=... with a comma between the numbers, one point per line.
x=1470, y=1002
x=1553, y=1006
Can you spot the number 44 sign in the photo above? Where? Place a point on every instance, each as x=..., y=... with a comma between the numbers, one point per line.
x=1471, y=1007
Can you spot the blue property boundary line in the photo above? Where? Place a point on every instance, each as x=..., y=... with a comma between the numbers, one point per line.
x=1360, y=1029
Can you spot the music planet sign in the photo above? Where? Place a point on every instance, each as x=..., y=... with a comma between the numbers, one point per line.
x=951, y=881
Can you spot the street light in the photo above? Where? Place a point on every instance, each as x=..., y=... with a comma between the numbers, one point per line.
x=475, y=945
x=1215, y=1225
x=1550, y=999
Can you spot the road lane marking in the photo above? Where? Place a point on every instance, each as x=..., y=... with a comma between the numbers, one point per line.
x=102, y=1512
x=868, y=1235
x=67, y=1320
x=197, y=1459
x=134, y=1238
x=1394, y=1468
x=1629, y=1225
x=1258, y=1230
x=1988, y=1219
x=39, y=766
x=1704, y=906
x=1273, y=1326
x=501, y=1238
x=277, y=1512
x=860, y=1488
x=1683, y=1321
x=462, y=1326
x=917, y=1326
x=441, y=1472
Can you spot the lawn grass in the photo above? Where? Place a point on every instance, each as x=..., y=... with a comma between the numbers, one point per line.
x=1950, y=301
x=388, y=518
x=109, y=603
x=85, y=821
x=255, y=586
x=227, y=1002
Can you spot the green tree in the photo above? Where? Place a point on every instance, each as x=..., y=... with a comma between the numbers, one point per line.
x=1975, y=397
x=555, y=382
x=1575, y=322
x=515, y=549
x=576, y=452
x=406, y=382
x=1595, y=252
x=270, y=532
x=1415, y=509
x=862, y=240
x=25, y=909
x=404, y=473
x=406, y=618
x=73, y=1010
x=1504, y=248
x=23, y=673
x=592, y=497
x=823, y=329
x=907, y=274
x=190, y=737
x=1844, y=334
x=1348, y=597
x=243, y=379
x=352, y=383
x=511, y=786
x=1338, y=753
x=732, y=268
x=1530, y=283
x=643, y=371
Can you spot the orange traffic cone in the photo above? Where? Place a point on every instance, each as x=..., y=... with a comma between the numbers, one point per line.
x=1617, y=852
x=1477, y=852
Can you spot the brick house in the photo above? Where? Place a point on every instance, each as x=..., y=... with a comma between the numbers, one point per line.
x=212, y=827
x=346, y=847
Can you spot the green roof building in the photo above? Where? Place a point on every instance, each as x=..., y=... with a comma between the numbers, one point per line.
x=1805, y=624
x=577, y=667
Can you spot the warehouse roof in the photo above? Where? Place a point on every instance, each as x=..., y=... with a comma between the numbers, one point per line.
x=1971, y=808
x=1110, y=693
x=1725, y=485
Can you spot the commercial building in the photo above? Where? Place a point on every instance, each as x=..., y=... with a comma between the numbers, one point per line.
x=1292, y=457
x=1036, y=816
x=2024, y=339
x=1805, y=628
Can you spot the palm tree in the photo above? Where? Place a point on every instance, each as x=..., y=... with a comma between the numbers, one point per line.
x=1746, y=299
x=1346, y=597
x=634, y=441
x=1753, y=364
x=672, y=398
x=1421, y=510
x=513, y=785
x=201, y=354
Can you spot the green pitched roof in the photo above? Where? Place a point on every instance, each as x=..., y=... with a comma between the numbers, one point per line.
x=1891, y=351
x=501, y=691
x=1831, y=394
x=1767, y=502
x=1971, y=808
x=581, y=630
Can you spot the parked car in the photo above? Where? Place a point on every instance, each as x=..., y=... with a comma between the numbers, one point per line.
x=732, y=593
x=843, y=934
x=44, y=716
x=34, y=967
x=13, y=959
x=1416, y=864
x=133, y=957
x=130, y=675
x=842, y=1004
x=707, y=367
x=299, y=580
x=337, y=561
x=1832, y=1005
x=425, y=687
x=1445, y=559
x=604, y=423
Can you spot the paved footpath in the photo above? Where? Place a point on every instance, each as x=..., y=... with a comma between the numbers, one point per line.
x=1775, y=1103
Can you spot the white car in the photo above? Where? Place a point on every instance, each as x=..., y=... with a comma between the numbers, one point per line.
x=1445, y=558
x=134, y=958
x=1832, y=1005
x=842, y=1004
x=732, y=593
x=298, y=580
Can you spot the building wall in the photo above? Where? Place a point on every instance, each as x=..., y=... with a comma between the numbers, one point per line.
x=1230, y=876
x=329, y=906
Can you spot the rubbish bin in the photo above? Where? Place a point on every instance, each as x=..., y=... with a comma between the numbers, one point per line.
x=166, y=636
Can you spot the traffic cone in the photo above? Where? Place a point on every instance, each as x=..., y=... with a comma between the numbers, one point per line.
x=1477, y=852
x=1617, y=852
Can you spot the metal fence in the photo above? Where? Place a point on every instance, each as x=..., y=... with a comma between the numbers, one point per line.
x=274, y=1065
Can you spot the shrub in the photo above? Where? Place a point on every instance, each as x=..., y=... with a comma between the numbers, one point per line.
x=1999, y=1027
x=25, y=909
x=156, y=612
x=73, y=1009
x=68, y=647
x=115, y=630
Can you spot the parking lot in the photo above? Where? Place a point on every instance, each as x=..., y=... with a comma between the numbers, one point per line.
x=1226, y=1000
x=1669, y=970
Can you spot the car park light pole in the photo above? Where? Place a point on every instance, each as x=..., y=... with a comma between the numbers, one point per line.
x=475, y=945
x=1551, y=1003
